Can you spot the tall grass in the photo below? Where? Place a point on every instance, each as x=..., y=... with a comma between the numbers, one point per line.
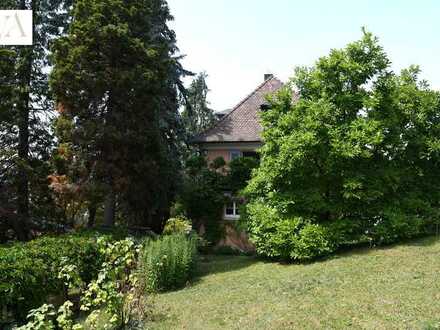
x=168, y=262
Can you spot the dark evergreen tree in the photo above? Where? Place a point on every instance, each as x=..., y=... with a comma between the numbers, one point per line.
x=26, y=110
x=117, y=79
x=197, y=116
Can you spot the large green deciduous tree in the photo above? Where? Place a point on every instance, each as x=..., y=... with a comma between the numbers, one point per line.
x=117, y=80
x=355, y=157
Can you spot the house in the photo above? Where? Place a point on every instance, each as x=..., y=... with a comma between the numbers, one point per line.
x=238, y=131
x=238, y=134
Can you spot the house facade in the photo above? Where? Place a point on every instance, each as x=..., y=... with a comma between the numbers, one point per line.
x=238, y=134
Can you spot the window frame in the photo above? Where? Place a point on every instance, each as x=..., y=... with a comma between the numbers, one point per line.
x=238, y=153
x=235, y=210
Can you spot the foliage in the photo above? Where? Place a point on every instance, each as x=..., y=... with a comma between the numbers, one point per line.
x=112, y=290
x=65, y=317
x=29, y=272
x=168, y=262
x=239, y=173
x=196, y=115
x=286, y=238
x=26, y=109
x=217, y=164
x=202, y=197
x=45, y=318
x=359, y=146
x=396, y=226
x=179, y=225
x=122, y=98
x=203, y=194
x=40, y=318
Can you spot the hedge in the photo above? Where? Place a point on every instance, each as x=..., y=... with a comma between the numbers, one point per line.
x=29, y=271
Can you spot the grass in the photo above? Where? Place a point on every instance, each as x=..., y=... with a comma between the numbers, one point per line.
x=396, y=287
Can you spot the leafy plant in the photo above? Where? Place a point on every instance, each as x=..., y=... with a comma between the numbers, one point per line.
x=168, y=262
x=46, y=318
x=40, y=318
x=178, y=225
x=289, y=238
x=30, y=271
x=203, y=198
x=111, y=290
x=239, y=173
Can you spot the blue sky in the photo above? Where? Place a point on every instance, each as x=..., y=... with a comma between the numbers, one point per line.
x=237, y=41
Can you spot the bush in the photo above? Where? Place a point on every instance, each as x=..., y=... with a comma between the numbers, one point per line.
x=296, y=238
x=29, y=271
x=286, y=238
x=113, y=293
x=203, y=199
x=312, y=241
x=168, y=262
x=114, y=290
x=394, y=226
x=178, y=225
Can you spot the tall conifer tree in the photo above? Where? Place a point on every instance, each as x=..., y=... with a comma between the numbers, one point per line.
x=25, y=115
x=117, y=79
x=197, y=115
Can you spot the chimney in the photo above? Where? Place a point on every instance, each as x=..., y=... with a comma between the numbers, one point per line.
x=267, y=76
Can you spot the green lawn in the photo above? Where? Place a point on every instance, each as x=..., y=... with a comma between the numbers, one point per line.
x=388, y=288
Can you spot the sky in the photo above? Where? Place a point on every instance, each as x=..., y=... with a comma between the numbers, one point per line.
x=237, y=41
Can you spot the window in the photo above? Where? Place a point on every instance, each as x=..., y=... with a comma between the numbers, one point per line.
x=234, y=154
x=232, y=210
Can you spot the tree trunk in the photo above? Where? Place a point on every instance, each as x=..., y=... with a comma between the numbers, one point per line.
x=24, y=77
x=22, y=179
x=92, y=216
x=109, y=209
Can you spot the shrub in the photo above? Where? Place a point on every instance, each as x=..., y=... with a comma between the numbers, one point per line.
x=177, y=210
x=178, y=225
x=286, y=238
x=297, y=238
x=29, y=271
x=394, y=226
x=312, y=241
x=113, y=289
x=112, y=293
x=168, y=262
x=46, y=318
x=203, y=198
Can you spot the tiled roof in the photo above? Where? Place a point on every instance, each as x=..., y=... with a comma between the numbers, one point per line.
x=242, y=123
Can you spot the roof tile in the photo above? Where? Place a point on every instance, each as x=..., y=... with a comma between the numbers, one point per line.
x=242, y=123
